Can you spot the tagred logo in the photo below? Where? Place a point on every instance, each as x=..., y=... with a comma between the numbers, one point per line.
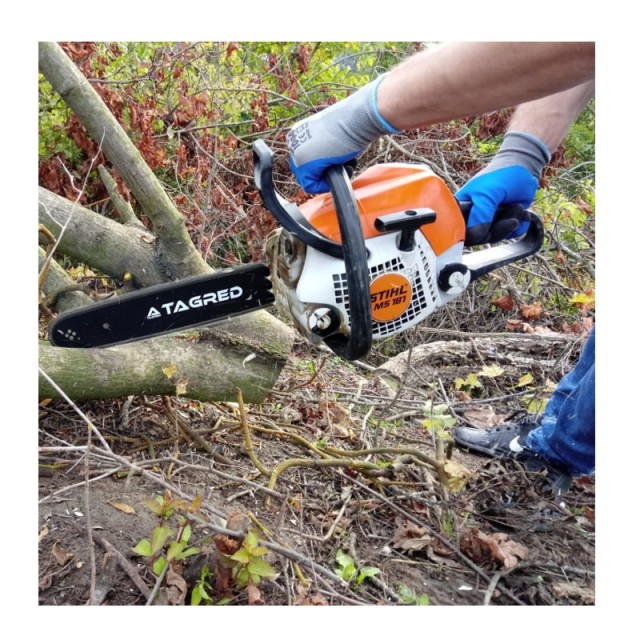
x=390, y=297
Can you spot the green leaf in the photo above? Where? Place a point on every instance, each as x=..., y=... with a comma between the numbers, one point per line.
x=471, y=382
x=191, y=551
x=536, y=405
x=242, y=578
x=241, y=555
x=258, y=567
x=251, y=540
x=186, y=533
x=169, y=370
x=408, y=596
x=347, y=570
x=367, y=572
x=158, y=538
x=159, y=565
x=174, y=549
x=143, y=548
x=406, y=593
x=439, y=422
x=199, y=594
x=343, y=559
x=152, y=505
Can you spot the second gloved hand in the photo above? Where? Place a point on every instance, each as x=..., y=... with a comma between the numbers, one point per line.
x=337, y=135
x=511, y=178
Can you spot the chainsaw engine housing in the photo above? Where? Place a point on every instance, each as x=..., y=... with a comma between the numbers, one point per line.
x=413, y=270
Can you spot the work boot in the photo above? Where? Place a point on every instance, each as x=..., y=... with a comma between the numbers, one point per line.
x=508, y=440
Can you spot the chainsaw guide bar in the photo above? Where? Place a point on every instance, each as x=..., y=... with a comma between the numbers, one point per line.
x=191, y=302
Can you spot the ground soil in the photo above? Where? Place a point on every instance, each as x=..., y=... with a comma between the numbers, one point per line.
x=414, y=520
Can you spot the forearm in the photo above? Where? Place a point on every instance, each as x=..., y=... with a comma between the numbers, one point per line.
x=549, y=119
x=469, y=78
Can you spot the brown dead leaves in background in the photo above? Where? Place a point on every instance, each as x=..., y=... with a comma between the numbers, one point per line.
x=481, y=547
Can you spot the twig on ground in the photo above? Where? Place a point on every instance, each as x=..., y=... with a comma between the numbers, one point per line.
x=333, y=593
x=194, y=435
x=87, y=508
x=247, y=436
x=226, y=476
x=106, y=579
x=156, y=587
x=75, y=407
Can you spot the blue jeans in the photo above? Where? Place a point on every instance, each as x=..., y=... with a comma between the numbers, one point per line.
x=567, y=431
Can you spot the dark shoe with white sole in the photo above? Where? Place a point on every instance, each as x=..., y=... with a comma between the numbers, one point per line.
x=508, y=440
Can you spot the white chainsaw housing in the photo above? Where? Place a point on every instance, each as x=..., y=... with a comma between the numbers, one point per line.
x=307, y=282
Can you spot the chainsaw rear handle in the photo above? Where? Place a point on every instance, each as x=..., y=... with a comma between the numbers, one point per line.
x=482, y=262
x=352, y=250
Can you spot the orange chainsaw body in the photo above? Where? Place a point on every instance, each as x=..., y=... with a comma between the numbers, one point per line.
x=390, y=188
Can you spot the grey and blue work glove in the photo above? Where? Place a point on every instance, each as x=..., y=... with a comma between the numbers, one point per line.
x=511, y=178
x=335, y=136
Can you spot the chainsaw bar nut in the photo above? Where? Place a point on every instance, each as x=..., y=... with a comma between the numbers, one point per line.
x=323, y=321
x=454, y=278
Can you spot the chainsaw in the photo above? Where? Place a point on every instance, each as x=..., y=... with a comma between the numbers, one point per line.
x=368, y=260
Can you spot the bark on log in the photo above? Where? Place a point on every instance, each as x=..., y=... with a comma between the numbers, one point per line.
x=106, y=245
x=203, y=366
x=58, y=281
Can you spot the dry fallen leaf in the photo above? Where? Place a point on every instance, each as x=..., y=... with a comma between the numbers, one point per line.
x=304, y=599
x=45, y=582
x=409, y=536
x=181, y=387
x=457, y=474
x=507, y=551
x=253, y=595
x=238, y=521
x=477, y=545
x=169, y=370
x=121, y=506
x=505, y=303
x=61, y=556
x=176, y=588
x=531, y=311
x=516, y=325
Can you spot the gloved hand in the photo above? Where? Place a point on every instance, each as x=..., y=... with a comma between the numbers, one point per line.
x=337, y=135
x=511, y=178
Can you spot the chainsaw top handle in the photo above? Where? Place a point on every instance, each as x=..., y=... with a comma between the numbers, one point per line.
x=352, y=250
